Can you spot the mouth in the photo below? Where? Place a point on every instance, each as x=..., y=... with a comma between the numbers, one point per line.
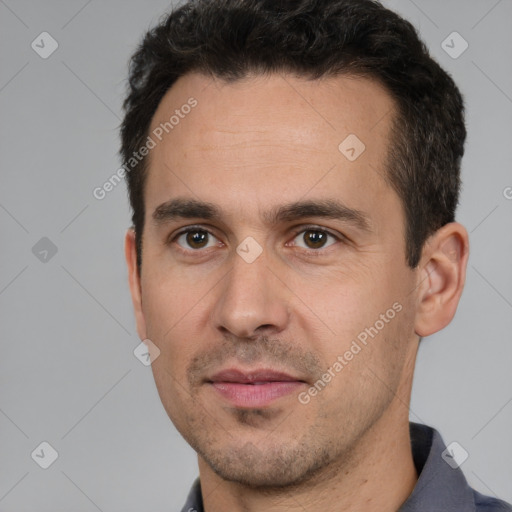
x=250, y=389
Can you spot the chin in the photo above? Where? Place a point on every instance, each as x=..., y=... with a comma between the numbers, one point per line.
x=271, y=468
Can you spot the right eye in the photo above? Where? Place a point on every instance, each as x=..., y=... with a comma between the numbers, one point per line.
x=195, y=239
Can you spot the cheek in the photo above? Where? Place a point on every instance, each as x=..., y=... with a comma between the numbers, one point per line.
x=369, y=310
x=168, y=295
x=170, y=322
x=368, y=365
x=345, y=304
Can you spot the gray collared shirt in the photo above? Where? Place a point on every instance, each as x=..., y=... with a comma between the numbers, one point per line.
x=440, y=488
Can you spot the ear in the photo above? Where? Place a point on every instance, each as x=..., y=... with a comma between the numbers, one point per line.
x=441, y=278
x=130, y=253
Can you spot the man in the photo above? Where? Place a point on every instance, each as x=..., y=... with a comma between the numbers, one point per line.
x=293, y=169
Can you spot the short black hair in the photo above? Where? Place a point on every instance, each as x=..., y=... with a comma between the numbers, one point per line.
x=231, y=39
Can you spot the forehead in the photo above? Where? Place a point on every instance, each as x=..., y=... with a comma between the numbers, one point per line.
x=266, y=137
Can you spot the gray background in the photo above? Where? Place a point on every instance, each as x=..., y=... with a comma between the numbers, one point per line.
x=68, y=374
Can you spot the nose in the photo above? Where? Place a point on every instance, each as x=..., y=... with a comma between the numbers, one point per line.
x=253, y=299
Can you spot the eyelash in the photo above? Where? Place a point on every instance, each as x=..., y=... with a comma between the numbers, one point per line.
x=315, y=252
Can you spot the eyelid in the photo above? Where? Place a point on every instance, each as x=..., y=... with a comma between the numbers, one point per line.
x=315, y=227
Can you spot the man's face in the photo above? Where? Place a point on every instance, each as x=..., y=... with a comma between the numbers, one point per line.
x=250, y=310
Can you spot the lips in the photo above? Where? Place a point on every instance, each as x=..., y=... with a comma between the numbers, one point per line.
x=252, y=389
x=253, y=377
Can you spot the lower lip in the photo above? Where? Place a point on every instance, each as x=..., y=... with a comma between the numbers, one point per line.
x=255, y=395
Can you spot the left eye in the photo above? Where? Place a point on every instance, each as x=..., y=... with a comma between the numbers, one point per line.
x=314, y=238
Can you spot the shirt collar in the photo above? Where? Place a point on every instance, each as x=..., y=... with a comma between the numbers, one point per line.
x=439, y=486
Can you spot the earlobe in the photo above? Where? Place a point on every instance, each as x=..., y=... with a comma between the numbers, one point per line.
x=134, y=281
x=442, y=274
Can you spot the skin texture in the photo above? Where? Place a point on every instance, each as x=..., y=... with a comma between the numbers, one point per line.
x=247, y=147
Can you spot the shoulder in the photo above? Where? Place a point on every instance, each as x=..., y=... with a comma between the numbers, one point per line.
x=489, y=504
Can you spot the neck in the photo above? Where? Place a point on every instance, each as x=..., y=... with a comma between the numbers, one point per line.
x=378, y=477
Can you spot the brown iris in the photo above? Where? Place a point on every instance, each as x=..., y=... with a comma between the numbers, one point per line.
x=197, y=239
x=314, y=238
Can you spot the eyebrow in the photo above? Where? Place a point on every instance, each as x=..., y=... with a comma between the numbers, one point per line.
x=182, y=208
